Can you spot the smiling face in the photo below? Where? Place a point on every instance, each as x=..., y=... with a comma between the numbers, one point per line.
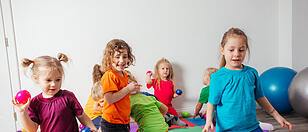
x=234, y=52
x=49, y=80
x=119, y=60
x=163, y=70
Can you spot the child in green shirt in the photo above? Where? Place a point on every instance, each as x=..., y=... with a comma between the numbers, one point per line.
x=204, y=95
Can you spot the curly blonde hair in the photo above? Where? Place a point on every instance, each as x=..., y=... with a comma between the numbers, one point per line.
x=116, y=45
x=53, y=64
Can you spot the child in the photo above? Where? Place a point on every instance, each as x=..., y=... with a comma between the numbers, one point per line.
x=147, y=111
x=116, y=109
x=163, y=84
x=204, y=95
x=54, y=110
x=234, y=89
x=94, y=105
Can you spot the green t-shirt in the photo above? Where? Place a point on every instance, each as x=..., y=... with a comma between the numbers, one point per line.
x=145, y=111
x=204, y=95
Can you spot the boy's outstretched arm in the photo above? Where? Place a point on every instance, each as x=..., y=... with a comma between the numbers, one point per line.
x=271, y=110
x=209, y=115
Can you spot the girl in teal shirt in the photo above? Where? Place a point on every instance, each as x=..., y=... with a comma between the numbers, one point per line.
x=234, y=89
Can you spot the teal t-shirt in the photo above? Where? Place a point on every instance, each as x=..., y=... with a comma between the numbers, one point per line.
x=145, y=111
x=204, y=95
x=234, y=93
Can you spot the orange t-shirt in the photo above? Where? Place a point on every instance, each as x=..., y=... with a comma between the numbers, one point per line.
x=118, y=112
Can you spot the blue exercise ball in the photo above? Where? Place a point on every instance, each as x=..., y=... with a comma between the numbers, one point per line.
x=275, y=83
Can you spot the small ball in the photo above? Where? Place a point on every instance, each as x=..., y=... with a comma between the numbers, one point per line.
x=81, y=126
x=149, y=72
x=178, y=91
x=22, y=97
x=185, y=114
x=86, y=129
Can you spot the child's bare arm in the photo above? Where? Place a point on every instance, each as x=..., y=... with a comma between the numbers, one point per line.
x=26, y=121
x=271, y=110
x=198, y=108
x=209, y=115
x=163, y=109
x=112, y=97
x=86, y=121
x=148, y=79
x=97, y=106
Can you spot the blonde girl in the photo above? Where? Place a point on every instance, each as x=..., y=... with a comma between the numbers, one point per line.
x=163, y=84
x=117, y=56
x=54, y=110
x=95, y=101
x=235, y=88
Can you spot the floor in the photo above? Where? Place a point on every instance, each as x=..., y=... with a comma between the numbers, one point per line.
x=299, y=123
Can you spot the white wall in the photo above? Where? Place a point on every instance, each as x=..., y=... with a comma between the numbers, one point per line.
x=300, y=35
x=186, y=32
x=285, y=33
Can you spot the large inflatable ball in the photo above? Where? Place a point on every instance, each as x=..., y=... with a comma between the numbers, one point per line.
x=298, y=92
x=275, y=83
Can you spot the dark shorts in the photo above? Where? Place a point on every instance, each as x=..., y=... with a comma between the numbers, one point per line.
x=97, y=122
x=109, y=127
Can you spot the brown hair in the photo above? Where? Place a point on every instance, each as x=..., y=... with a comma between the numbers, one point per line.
x=231, y=33
x=170, y=77
x=130, y=76
x=113, y=46
x=97, y=90
x=97, y=74
x=45, y=61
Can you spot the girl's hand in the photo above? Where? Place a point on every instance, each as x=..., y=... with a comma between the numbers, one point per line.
x=97, y=107
x=175, y=95
x=283, y=122
x=21, y=107
x=208, y=127
x=195, y=115
x=133, y=87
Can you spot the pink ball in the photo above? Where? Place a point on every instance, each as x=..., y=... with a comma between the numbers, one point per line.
x=149, y=72
x=81, y=126
x=22, y=97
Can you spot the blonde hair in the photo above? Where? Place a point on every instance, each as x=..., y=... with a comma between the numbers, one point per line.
x=170, y=77
x=97, y=90
x=130, y=76
x=211, y=70
x=53, y=64
x=231, y=33
x=113, y=46
x=97, y=74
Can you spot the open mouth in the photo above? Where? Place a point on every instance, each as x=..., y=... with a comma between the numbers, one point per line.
x=235, y=60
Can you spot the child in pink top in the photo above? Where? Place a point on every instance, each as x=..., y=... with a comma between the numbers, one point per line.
x=163, y=84
x=53, y=110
